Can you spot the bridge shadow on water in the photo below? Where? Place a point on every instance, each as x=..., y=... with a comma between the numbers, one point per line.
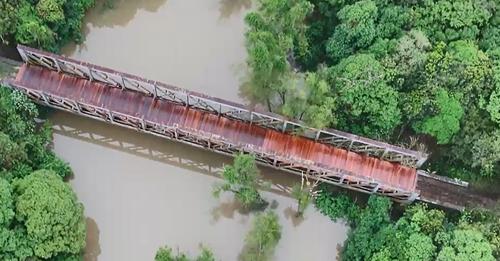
x=161, y=150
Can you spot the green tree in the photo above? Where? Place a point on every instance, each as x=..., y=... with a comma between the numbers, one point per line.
x=46, y=24
x=303, y=194
x=31, y=30
x=8, y=18
x=7, y=203
x=24, y=142
x=466, y=245
x=53, y=217
x=450, y=20
x=369, y=106
x=242, y=178
x=357, y=29
x=51, y=10
x=446, y=122
x=336, y=206
x=165, y=253
x=261, y=241
x=11, y=153
x=309, y=100
x=274, y=30
x=420, y=233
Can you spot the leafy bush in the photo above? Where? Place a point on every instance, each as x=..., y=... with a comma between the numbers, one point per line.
x=165, y=253
x=46, y=24
x=388, y=70
x=40, y=216
x=261, y=241
x=242, y=178
x=420, y=233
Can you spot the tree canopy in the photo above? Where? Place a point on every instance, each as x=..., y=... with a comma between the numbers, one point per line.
x=420, y=233
x=40, y=216
x=398, y=71
x=243, y=179
x=46, y=24
x=166, y=253
x=262, y=239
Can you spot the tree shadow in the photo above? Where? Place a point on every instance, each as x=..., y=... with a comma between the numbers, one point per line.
x=92, y=247
x=292, y=215
x=230, y=7
x=109, y=13
x=228, y=210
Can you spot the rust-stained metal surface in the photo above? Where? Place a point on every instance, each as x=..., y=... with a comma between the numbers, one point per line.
x=170, y=114
x=225, y=108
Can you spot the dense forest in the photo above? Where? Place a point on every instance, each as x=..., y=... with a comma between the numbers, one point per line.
x=40, y=216
x=45, y=24
x=423, y=74
x=421, y=233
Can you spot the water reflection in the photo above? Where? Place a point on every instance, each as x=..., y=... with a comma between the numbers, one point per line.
x=228, y=209
x=230, y=7
x=292, y=215
x=92, y=248
x=110, y=13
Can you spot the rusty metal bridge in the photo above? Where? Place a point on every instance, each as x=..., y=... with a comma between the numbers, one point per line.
x=225, y=127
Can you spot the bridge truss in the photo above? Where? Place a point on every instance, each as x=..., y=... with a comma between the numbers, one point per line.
x=222, y=108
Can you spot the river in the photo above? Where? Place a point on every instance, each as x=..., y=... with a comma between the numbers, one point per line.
x=141, y=192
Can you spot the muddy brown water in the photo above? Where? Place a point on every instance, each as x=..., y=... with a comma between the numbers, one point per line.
x=141, y=192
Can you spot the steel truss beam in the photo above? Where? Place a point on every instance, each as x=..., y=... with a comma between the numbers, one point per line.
x=218, y=144
x=220, y=107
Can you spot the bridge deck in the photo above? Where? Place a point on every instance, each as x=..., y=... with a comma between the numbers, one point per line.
x=238, y=132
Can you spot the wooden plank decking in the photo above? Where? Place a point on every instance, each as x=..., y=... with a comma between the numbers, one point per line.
x=238, y=132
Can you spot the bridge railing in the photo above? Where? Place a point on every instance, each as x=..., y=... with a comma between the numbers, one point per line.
x=222, y=145
x=221, y=107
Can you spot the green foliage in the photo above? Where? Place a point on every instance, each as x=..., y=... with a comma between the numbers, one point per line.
x=51, y=213
x=369, y=105
x=7, y=203
x=336, y=206
x=40, y=217
x=51, y=10
x=242, y=178
x=393, y=69
x=466, y=244
x=205, y=255
x=446, y=122
x=303, y=195
x=46, y=24
x=450, y=20
x=8, y=18
x=420, y=233
x=356, y=30
x=261, y=241
x=165, y=253
x=308, y=100
x=273, y=32
x=11, y=153
x=24, y=143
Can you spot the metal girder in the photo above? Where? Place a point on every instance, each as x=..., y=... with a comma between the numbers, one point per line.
x=220, y=107
x=218, y=144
